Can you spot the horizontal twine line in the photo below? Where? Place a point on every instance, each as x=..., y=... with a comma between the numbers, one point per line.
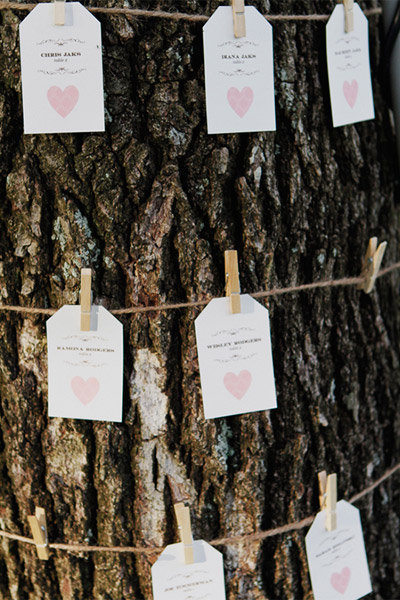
x=179, y=16
x=223, y=541
x=345, y=281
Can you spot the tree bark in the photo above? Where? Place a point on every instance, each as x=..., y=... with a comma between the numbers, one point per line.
x=150, y=206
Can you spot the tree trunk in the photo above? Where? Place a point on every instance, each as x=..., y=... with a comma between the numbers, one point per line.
x=150, y=206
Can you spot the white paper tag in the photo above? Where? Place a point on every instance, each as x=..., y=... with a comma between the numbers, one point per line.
x=62, y=72
x=85, y=367
x=235, y=358
x=349, y=69
x=336, y=559
x=202, y=580
x=239, y=73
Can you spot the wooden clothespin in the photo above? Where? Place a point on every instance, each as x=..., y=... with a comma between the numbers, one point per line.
x=86, y=298
x=232, y=280
x=59, y=12
x=38, y=527
x=348, y=15
x=371, y=264
x=239, y=19
x=328, y=497
x=182, y=513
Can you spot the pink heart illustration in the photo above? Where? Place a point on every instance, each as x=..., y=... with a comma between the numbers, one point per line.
x=350, y=91
x=237, y=385
x=85, y=391
x=63, y=101
x=240, y=101
x=340, y=581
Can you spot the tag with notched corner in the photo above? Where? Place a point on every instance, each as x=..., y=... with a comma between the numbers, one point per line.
x=62, y=72
x=239, y=73
x=349, y=68
x=203, y=579
x=235, y=358
x=336, y=559
x=85, y=368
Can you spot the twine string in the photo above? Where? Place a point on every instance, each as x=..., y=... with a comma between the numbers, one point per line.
x=345, y=281
x=180, y=16
x=257, y=536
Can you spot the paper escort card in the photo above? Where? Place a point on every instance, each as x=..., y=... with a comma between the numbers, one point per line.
x=239, y=73
x=203, y=580
x=62, y=72
x=349, y=69
x=336, y=559
x=235, y=358
x=85, y=367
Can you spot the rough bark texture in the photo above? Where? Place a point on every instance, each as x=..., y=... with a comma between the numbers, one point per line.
x=151, y=205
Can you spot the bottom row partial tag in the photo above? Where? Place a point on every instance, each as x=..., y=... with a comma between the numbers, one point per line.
x=336, y=559
x=201, y=580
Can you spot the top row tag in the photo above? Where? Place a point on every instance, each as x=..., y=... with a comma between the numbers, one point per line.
x=62, y=77
x=62, y=71
x=239, y=73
